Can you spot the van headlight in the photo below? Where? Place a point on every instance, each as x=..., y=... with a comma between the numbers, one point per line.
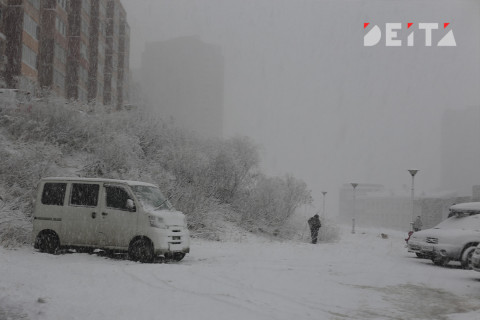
x=156, y=222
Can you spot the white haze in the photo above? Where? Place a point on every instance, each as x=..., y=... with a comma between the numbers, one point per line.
x=299, y=81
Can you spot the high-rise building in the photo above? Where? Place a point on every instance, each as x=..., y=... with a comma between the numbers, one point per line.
x=123, y=65
x=183, y=79
x=78, y=49
x=78, y=42
x=111, y=53
x=22, y=21
x=98, y=36
x=3, y=40
x=52, y=66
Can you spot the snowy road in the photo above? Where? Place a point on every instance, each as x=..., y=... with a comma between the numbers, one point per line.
x=360, y=277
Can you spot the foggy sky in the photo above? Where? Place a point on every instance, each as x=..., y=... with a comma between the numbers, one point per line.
x=324, y=107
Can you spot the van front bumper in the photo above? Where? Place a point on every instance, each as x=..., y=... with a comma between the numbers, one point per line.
x=171, y=240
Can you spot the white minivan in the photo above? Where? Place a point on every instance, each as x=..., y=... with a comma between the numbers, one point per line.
x=119, y=215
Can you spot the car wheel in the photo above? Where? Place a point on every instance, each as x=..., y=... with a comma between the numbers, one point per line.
x=467, y=258
x=48, y=242
x=141, y=250
x=178, y=256
x=441, y=261
x=422, y=256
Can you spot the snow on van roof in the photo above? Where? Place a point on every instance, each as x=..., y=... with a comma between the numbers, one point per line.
x=129, y=182
x=467, y=206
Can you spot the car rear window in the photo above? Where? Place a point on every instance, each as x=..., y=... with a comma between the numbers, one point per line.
x=53, y=194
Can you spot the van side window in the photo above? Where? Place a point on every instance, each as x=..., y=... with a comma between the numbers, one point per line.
x=117, y=197
x=84, y=195
x=53, y=194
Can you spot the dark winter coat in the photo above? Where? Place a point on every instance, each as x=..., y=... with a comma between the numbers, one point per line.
x=314, y=222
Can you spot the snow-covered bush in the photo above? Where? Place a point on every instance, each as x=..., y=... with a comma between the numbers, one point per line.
x=20, y=169
x=211, y=180
x=271, y=201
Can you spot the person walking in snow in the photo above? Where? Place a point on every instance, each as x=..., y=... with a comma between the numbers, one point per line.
x=314, y=224
x=417, y=225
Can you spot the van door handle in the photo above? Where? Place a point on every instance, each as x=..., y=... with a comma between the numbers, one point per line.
x=94, y=215
x=104, y=213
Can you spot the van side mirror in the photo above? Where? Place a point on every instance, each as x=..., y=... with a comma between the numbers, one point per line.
x=130, y=205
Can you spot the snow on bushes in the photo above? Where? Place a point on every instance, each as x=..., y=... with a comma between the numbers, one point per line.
x=208, y=179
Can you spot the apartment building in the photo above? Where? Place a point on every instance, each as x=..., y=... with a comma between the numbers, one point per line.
x=123, y=53
x=74, y=48
x=77, y=56
x=22, y=21
x=52, y=66
x=3, y=40
x=116, y=17
x=97, y=47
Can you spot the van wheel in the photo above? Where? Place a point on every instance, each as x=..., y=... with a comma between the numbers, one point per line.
x=178, y=256
x=47, y=242
x=467, y=258
x=141, y=250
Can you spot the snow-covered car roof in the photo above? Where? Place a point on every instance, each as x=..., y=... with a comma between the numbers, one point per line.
x=466, y=207
x=129, y=182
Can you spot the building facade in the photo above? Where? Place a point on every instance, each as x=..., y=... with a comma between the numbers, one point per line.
x=52, y=66
x=22, y=31
x=3, y=42
x=72, y=48
x=374, y=206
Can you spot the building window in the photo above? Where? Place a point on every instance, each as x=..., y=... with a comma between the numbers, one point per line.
x=35, y=3
x=83, y=51
x=29, y=57
x=30, y=26
x=83, y=74
x=60, y=54
x=61, y=27
x=82, y=95
x=84, y=26
x=58, y=79
x=100, y=90
x=63, y=4
x=101, y=68
x=86, y=5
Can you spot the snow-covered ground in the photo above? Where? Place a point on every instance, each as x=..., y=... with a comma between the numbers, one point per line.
x=362, y=276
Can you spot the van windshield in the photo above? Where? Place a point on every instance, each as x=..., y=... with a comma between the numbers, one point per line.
x=152, y=198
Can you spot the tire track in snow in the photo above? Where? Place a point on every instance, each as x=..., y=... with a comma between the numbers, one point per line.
x=412, y=301
x=219, y=297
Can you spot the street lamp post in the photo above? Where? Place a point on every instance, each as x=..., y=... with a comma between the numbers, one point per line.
x=324, y=194
x=354, y=185
x=413, y=173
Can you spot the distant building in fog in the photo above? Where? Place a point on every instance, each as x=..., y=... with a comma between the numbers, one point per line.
x=376, y=207
x=183, y=78
x=460, y=149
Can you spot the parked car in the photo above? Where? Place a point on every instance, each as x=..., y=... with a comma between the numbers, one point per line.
x=454, y=239
x=118, y=215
